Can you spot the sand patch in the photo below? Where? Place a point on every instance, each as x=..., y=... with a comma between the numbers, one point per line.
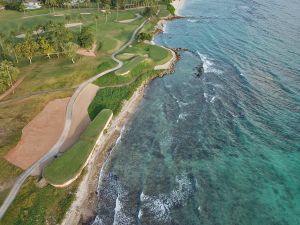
x=80, y=116
x=88, y=52
x=39, y=135
x=68, y=25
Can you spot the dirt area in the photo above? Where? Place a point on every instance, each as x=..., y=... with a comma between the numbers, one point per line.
x=88, y=52
x=11, y=89
x=68, y=25
x=80, y=116
x=39, y=135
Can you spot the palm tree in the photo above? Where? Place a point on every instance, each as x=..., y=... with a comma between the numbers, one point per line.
x=51, y=3
x=96, y=19
x=107, y=11
x=8, y=72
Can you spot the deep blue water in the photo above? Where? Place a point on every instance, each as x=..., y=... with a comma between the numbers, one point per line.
x=222, y=148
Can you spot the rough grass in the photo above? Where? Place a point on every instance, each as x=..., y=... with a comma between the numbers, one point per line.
x=56, y=73
x=34, y=205
x=113, y=98
x=71, y=162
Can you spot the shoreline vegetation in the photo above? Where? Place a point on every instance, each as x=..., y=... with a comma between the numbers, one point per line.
x=83, y=208
x=82, y=193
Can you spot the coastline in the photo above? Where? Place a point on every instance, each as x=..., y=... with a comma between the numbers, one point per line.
x=83, y=208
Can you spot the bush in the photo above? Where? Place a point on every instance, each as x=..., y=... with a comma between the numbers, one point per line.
x=171, y=9
x=149, y=11
x=86, y=38
x=144, y=36
x=18, y=6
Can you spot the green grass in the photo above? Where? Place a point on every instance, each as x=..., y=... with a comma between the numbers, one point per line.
x=127, y=67
x=55, y=73
x=35, y=206
x=113, y=98
x=48, y=205
x=71, y=162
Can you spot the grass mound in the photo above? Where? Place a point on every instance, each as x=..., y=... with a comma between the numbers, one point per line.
x=71, y=162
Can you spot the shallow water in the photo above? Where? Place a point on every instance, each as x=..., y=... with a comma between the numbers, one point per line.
x=222, y=148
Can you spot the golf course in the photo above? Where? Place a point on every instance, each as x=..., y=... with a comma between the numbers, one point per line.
x=60, y=75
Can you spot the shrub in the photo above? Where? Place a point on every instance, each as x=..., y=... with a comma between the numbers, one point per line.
x=144, y=36
x=171, y=9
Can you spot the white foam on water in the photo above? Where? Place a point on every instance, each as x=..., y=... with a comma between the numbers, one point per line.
x=182, y=116
x=192, y=20
x=213, y=99
x=98, y=221
x=208, y=64
x=140, y=214
x=161, y=205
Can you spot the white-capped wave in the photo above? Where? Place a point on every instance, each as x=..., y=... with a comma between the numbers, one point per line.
x=98, y=221
x=192, y=20
x=209, y=98
x=159, y=207
x=208, y=64
x=182, y=116
x=213, y=99
x=120, y=217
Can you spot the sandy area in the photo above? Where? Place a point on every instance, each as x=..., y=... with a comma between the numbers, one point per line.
x=82, y=209
x=39, y=135
x=80, y=117
x=138, y=16
x=168, y=64
x=178, y=5
x=68, y=25
x=88, y=52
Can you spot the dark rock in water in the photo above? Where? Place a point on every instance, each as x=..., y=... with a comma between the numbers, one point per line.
x=199, y=71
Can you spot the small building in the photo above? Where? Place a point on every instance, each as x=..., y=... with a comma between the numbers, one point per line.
x=32, y=4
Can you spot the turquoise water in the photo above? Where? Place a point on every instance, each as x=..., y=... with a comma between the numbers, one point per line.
x=222, y=148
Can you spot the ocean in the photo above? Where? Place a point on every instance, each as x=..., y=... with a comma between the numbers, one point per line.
x=218, y=141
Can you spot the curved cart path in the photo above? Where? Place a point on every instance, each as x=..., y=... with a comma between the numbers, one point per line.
x=55, y=149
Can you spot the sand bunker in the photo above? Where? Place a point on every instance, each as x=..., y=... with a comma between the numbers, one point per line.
x=39, y=135
x=87, y=52
x=80, y=116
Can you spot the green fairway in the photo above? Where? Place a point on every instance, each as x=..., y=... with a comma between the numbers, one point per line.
x=72, y=161
x=127, y=67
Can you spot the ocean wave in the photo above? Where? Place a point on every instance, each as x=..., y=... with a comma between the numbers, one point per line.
x=192, y=20
x=160, y=207
x=209, y=98
x=208, y=64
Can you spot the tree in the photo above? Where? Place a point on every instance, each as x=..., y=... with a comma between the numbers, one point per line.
x=2, y=40
x=86, y=38
x=107, y=11
x=7, y=74
x=144, y=36
x=68, y=18
x=171, y=9
x=45, y=47
x=149, y=11
x=27, y=49
x=70, y=50
x=98, y=4
x=51, y=3
x=57, y=35
x=96, y=19
x=11, y=50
